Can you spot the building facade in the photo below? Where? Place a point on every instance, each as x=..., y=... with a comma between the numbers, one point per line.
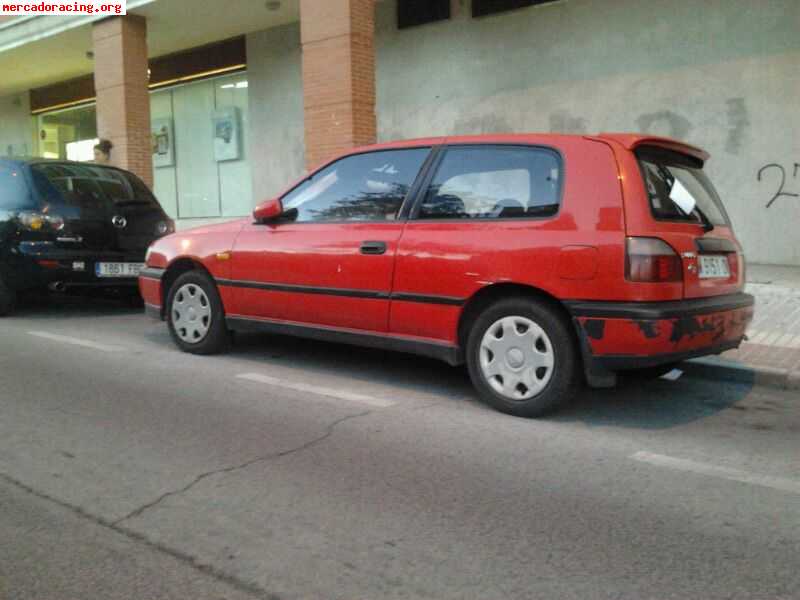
x=219, y=106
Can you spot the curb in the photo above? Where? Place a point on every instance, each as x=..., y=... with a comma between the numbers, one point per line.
x=722, y=370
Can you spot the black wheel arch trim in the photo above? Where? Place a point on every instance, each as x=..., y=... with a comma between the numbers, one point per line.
x=153, y=311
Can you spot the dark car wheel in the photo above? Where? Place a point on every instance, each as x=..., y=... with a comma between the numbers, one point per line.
x=195, y=315
x=8, y=299
x=522, y=358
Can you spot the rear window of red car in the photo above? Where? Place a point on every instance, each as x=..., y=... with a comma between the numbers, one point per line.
x=678, y=189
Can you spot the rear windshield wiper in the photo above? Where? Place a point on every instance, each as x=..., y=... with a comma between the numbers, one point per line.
x=707, y=224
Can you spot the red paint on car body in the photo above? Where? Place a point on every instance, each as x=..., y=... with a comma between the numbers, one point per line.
x=432, y=270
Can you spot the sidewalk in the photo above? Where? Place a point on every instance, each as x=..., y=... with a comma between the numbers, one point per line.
x=771, y=355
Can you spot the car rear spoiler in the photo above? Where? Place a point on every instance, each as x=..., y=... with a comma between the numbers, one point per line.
x=632, y=141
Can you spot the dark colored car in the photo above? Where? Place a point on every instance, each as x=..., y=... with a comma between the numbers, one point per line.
x=541, y=261
x=67, y=225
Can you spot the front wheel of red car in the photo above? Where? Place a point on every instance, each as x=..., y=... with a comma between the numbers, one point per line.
x=195, y=315
x=522, y=358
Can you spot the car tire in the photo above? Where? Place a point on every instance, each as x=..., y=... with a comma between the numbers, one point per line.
x=537, y=372
x=195, y=316
x=8, y=299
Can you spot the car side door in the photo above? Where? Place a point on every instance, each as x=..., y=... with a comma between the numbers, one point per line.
x=329, y=261
x=487, y=214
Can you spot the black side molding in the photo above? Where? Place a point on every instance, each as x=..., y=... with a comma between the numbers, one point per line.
x=303, y=289
x=423, y=299
x=645, y=311
x=448, y=353
x=347, y=293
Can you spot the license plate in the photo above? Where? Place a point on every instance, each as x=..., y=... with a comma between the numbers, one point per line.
x=714, y=267
x=118, y=269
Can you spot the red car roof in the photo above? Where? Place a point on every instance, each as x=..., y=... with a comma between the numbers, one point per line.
x=628, y=140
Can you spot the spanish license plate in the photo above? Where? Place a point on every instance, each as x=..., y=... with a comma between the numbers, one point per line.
x=714, y=267
x=118, y=269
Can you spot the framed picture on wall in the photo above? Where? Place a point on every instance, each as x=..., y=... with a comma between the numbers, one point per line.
x=163, y=143
x=226, y=134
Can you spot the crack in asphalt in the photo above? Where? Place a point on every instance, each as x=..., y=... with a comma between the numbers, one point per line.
x=188, y=559
x=271, y=456
x=182, y=557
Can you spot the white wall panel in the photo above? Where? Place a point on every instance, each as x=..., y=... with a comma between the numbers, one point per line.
x=164, y=178
x=197, y=178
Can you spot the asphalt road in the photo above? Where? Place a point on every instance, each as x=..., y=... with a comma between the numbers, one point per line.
x=292, y=469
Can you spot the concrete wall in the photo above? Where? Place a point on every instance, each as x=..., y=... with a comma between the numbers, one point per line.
x=276, y=109
x=722, y=74
x=16, y=126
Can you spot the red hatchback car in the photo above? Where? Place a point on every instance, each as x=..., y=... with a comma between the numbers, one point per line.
x=540, y=261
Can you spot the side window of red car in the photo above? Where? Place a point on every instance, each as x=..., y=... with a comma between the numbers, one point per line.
x=494, y=182
x=362, y=187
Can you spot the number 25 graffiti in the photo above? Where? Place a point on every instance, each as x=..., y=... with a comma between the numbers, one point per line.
x=781, y=189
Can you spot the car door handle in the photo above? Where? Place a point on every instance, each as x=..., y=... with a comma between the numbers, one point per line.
x=373, y=248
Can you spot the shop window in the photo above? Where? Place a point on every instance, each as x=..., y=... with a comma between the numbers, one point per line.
x=411, y=13
x=68, y=134
x=200, y=132
x=482, y=8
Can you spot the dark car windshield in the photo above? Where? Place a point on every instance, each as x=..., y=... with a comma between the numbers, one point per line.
x=91, y=186
x=679, y=190
x=14, y=193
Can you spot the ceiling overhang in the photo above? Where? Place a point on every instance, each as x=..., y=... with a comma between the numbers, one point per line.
x=42, y=50
x=32, y=28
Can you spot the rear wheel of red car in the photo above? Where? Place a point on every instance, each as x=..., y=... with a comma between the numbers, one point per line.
x=522, y=358
x=195, y=316
x=8, y=299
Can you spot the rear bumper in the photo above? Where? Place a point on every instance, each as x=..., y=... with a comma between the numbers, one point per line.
x=38, y=265
x=619, y=336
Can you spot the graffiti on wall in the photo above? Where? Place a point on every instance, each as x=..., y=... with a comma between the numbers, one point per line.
x=667, y=123
x=778, y=175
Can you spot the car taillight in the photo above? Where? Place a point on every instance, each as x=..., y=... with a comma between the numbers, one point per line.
x=36, y=221
x=650, y=260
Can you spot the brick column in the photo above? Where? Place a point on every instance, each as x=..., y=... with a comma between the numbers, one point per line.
x=338, y=38
x=123, y=99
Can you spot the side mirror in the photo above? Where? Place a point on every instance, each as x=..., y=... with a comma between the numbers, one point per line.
x=268, y=210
